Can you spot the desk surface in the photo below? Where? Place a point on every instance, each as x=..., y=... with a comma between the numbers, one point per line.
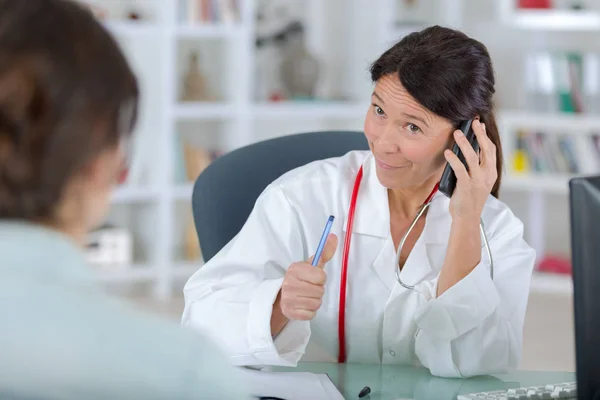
x=392, y=382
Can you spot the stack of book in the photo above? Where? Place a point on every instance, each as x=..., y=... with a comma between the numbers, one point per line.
x=563, y=82
x=549, y=153
x=209, y=11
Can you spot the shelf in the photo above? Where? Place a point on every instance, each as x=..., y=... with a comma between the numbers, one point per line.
x=125, y=274
x=316, y=109
x=551, y=121
x=183, y=191
x=556, y=20
x=133, y=29
x=555, y=183
x=125, y=195
x=204, y=110
x=207, y=31
x=548, y=283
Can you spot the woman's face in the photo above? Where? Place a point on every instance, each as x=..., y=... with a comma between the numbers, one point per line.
x=406, y=139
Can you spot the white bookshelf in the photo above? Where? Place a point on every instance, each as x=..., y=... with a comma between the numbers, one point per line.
x=545, y=30
x=549, y=283
x=236, y=119
x=574, y=124
x=156, y=206
x=554, y=20
x=134, y=29
x=196, y=111
x=569, y=122
x=183, y=191
x=208, y=31
x=555, y=184
x=287, y=110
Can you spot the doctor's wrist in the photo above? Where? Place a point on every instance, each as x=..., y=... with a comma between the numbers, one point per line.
x=278, y=320
x=465, y=224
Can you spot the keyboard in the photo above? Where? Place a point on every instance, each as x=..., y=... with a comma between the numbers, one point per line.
x=566, y=390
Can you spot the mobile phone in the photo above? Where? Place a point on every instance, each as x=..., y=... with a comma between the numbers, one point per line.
x=448, y=180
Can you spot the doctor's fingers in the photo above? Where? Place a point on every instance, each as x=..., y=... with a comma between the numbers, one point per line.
x=328, y=250
x=304, y=303
x=306, y=273
x=487, y=154
x=468, y=152
x=299, y=314
x=304, y=289
x=457, y=166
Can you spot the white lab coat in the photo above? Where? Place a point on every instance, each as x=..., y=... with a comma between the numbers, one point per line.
x=474, y=328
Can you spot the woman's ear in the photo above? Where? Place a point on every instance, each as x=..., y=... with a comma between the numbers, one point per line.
x=105, y=169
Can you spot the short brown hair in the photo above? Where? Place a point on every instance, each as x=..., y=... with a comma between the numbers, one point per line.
x=64, y=85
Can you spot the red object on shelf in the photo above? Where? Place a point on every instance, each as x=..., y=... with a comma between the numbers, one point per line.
x=275, y=97
x=544, y=4
x=555, y=264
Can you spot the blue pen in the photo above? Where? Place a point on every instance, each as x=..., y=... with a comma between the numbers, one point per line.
x=324, y=236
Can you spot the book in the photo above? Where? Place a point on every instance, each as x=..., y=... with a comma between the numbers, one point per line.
x=548, y=153
x=209, y=11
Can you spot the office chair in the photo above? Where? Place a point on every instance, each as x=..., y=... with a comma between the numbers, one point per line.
x=225, y=192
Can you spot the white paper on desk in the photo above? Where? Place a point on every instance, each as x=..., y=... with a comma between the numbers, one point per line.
x=291, y=385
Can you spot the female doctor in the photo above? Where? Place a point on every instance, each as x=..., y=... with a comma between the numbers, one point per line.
x=461, y=305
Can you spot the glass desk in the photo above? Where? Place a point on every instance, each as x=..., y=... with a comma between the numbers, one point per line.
x=392, y=382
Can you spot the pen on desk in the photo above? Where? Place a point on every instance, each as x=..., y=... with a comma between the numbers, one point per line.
x=324, y=236
x=364, y=392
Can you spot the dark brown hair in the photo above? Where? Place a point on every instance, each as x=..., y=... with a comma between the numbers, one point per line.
x=448, y=73
x=67, y=94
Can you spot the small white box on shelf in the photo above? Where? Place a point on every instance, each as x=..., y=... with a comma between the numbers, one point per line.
x=110, y=246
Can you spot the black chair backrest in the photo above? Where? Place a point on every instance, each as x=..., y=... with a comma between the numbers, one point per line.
x=226, y=191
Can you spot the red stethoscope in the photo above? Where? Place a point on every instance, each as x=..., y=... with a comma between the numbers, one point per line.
x=346, y=252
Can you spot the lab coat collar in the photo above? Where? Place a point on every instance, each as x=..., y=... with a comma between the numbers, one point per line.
x=372, y=214
x=374, y=220
x=44, y=253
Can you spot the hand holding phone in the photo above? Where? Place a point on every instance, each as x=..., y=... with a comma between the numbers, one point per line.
x=448, y=180
x=472, y=172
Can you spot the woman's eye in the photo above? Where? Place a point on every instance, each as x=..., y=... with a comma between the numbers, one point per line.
x=379, y=111
x=413, y=128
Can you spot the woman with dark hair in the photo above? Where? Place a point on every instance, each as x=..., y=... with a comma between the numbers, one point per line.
x=441, y=294
x=68, y=104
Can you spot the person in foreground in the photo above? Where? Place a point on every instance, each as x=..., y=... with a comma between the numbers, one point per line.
x=261, y=297
x=68, y=102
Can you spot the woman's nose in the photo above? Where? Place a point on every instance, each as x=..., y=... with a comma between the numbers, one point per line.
x=387, y=141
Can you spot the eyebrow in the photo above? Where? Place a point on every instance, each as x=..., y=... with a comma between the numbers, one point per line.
x=378, y=97
x=407, y=115
x=417, y=118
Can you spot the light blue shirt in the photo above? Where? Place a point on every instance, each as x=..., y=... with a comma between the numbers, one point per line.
x=61, y=337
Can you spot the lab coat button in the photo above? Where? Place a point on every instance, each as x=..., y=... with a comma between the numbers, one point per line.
x=392, y=353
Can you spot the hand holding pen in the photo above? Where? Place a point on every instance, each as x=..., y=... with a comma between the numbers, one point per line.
x=304, y=282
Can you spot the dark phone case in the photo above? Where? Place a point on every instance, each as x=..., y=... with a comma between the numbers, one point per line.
x=448, y=181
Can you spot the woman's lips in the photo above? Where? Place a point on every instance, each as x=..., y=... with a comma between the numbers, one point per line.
x=388, y=166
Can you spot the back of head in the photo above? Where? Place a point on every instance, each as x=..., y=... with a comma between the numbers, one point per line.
x=66, y=95
x=448, y=73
